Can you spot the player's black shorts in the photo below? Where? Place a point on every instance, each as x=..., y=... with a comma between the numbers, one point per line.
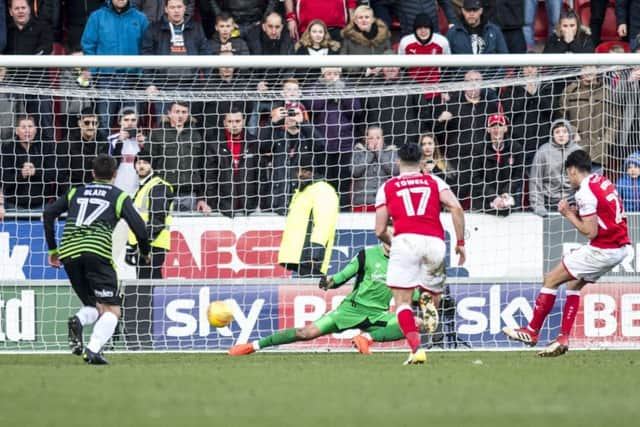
x=93, y=278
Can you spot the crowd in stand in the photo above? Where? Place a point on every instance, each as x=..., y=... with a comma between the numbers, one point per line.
x=501, y=148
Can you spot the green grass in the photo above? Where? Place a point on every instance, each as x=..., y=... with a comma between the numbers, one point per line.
x=596, y=388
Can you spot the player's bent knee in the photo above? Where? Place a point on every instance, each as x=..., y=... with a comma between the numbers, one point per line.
x=114, y=309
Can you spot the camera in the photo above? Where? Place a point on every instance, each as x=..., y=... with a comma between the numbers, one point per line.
x=291, y=112
x=131, y=131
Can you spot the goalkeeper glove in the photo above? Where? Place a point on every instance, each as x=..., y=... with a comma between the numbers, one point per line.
x=131, y=255
x=325, y=283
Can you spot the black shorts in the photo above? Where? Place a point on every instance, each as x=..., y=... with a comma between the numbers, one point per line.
x=93, y=278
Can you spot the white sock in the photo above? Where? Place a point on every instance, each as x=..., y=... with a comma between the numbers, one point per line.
x=102, y=331
x=256, y=345
x=87, y=315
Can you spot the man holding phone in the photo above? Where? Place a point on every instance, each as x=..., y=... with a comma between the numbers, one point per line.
x=288, y=138
x=124, y=146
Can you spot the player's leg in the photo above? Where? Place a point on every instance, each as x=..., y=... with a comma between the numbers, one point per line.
x=88, y=313
x=103, y=282
x=323, y=326
x=560, y=345
x=544, y=303
x=404, y=274
x=383, y=328
x=587, y=264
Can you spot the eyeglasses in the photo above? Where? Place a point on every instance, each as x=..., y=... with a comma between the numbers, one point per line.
x=90, y=122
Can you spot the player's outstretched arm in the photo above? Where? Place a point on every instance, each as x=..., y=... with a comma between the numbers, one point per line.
x=451, y=203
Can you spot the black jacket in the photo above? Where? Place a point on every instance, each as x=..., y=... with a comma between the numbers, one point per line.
x=34, y=39
x=30, y=192
x=179, y=158
x=495, y=173
x=507, y=14
x=231, y=189
x=74, y=158
x=581, y=44
x=531, y=114
x=285, y=150
x=157, y=41
x=397, y=115
x=76, y=14
x=243, y=11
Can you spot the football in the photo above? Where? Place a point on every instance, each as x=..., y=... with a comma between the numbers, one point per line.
x=219, y=314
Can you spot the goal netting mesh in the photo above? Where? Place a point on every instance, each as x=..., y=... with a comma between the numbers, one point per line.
x=232, y=135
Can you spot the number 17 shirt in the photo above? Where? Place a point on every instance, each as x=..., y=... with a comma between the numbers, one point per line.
x=413, y=203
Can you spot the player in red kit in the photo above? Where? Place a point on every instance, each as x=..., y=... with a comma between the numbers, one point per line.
x=414, y=201
x=600, y=217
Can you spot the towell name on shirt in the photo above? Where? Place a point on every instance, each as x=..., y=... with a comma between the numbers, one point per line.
x=411, y=182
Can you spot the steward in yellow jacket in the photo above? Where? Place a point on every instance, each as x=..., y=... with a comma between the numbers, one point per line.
x=154, y=201
x=309, y=232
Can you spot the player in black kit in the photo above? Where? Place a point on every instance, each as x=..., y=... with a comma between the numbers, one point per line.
x=85, y=252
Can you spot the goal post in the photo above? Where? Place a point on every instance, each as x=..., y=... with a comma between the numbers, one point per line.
x=335, y=107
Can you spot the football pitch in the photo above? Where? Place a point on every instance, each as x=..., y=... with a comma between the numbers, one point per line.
x=583, y=388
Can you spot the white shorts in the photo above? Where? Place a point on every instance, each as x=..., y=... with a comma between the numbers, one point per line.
x=590, y=263
x=416, y=260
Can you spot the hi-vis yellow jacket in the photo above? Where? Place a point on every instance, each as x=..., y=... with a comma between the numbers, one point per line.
x=314, y=211
x=142, y=202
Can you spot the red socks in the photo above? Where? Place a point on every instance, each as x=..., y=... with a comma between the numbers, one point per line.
x=544, y=304
x=408, y=325
x=570, y=311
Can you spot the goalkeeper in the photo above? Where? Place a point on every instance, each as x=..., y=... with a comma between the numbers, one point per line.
x=365, y=308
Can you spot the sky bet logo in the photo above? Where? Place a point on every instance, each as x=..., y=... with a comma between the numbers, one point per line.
x=184, y=316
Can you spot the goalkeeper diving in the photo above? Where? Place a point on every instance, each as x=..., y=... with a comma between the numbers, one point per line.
x=366, y=308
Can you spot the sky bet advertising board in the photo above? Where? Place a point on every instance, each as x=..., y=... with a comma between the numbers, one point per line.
x=609, y=316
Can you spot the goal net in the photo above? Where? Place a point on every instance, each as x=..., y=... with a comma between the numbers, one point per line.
x=230, y=134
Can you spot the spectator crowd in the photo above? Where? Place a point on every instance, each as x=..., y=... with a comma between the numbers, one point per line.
x=500, y=145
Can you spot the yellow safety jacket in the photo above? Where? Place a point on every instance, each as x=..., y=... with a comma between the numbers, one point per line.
x=316, y=206
x=142, y=201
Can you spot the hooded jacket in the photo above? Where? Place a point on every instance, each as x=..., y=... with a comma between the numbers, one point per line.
x=628, y=187
x=459, y=38
x=109, y=32
x=548, y=183
x=370, y=169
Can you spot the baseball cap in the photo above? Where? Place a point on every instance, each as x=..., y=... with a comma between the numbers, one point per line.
x=496, y=119
x=472, y=4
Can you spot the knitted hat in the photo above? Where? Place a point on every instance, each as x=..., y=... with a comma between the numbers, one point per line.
x=633, y=159
x=144, y=154
x=422, y=20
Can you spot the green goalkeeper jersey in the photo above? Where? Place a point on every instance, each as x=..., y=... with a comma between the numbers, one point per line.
x=370, y=270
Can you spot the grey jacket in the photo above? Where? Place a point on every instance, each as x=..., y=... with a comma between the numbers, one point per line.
x=369, y=171
x=548, y=182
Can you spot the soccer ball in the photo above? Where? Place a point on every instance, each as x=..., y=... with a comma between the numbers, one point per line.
x=219, y=314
